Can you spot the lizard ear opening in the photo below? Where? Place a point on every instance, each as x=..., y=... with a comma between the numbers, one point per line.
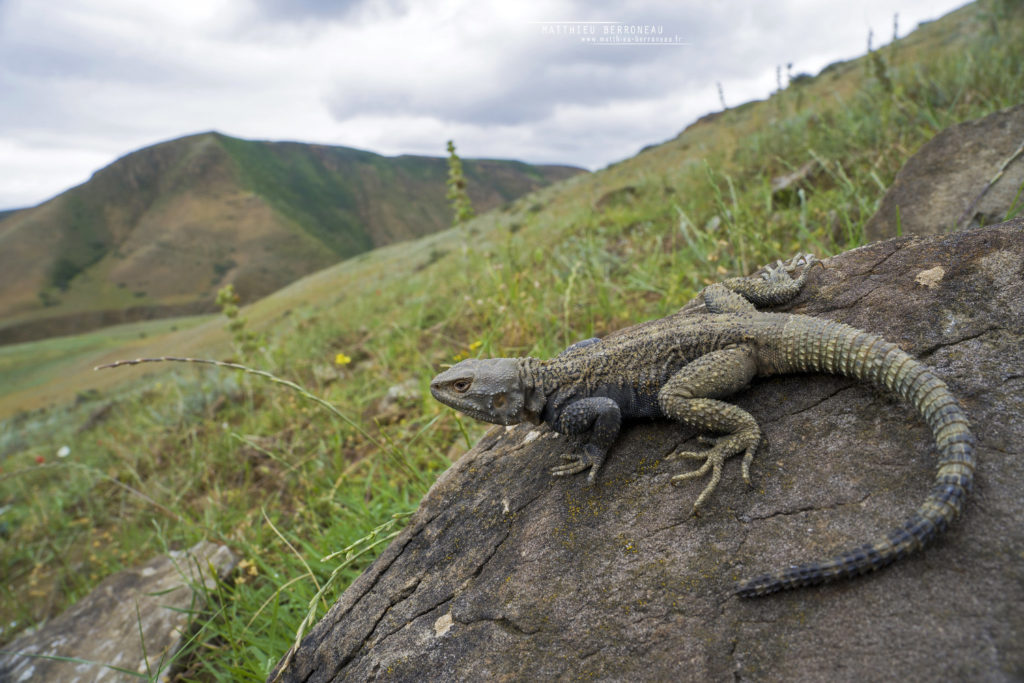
x=534, y=404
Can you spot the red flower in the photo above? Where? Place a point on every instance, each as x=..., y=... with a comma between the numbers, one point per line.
x=40, y=460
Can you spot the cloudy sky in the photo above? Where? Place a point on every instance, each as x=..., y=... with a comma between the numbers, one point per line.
x=83, y=82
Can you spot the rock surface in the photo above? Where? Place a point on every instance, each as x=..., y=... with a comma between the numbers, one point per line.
x=102, y=630
x=944, y=186
x=506, y=573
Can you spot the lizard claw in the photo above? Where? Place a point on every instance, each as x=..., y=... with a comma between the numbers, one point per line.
x=703, y=440
x=805, y=261
x=712, y=461
x=573, y=465
x=591, y=459
x=783, y=272
x=723, y=448
x=798, y=260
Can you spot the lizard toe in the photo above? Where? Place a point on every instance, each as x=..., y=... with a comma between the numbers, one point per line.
x=574, y=466
x=748, y=458
x=724, y=448
x=695, y=474
x=716, y=476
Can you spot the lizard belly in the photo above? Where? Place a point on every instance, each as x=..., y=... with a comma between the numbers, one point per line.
x=633, y=402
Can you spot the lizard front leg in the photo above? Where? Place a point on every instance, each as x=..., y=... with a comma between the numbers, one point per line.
x=689, y=397
x=598, y=416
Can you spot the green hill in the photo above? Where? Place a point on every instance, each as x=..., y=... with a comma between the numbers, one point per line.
x=160, y=230
x=162, y=456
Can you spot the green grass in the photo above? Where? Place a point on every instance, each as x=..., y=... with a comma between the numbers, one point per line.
x=192, y=452
x=303, y=206
x=24, y=366
x=297, y=183
x=326, y=190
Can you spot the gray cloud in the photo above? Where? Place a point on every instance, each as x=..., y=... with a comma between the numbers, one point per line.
x=536, y=72
x=334, y=10
x=526, y=84
x=82, y=81
x=56, y=57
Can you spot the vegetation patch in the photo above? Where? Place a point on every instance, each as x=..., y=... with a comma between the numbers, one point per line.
x=308, y=495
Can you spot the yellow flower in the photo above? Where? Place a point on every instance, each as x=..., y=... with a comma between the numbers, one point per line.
x=468, y=351
x=342, y=359
x=246, y=569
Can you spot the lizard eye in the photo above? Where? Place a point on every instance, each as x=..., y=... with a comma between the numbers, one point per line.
x=461, y=385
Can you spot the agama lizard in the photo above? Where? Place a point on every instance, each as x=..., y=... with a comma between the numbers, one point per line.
x=679, y=367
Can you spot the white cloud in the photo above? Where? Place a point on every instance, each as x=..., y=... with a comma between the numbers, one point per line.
x=85, y=81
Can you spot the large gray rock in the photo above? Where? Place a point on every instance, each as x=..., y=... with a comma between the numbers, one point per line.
x=147, y=606
x=505, y=573
x=945, y=185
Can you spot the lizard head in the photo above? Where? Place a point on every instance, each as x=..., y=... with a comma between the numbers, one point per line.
x=489, y=389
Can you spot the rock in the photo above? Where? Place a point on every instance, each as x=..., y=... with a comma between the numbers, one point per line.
x=405, y=393
x=102, y=630
x=620, y=196
x=96, y=417
x=325, y=374
x=785, y=188
x=945, y=185
x=506, y=573
x=399, y=401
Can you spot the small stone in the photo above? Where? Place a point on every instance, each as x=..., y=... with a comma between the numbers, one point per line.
x=443, y=624
x=930, y=278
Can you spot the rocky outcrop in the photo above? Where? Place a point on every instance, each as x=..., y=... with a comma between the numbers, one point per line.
x=506, y=573
x=967, y=175
x=134, y=621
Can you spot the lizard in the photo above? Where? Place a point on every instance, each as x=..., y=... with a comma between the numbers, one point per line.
x=680, y=366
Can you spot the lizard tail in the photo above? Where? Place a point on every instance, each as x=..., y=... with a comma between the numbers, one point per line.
x=815, y=345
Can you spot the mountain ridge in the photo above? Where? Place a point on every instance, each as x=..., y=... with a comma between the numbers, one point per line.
x=160, y=229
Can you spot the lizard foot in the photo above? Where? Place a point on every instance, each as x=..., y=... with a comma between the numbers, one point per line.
x=800, y=259
x=782, y=271
x=591, y=459
x=723, y=448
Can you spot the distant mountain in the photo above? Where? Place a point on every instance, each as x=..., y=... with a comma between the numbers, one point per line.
x=160, y=230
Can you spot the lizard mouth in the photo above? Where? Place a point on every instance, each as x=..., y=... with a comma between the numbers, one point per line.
x=469, y=407
x=493, y=418
x=489, y=417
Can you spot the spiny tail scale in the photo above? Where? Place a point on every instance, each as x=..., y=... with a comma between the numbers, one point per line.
x=814, y=345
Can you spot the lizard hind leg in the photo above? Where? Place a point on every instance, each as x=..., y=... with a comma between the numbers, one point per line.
x=775, y=286
x=690, y=397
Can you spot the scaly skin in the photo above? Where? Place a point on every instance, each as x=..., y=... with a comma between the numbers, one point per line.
x=679, y=366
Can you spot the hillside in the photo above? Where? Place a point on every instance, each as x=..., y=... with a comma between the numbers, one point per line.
x=159, y=231
x=161, y=456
